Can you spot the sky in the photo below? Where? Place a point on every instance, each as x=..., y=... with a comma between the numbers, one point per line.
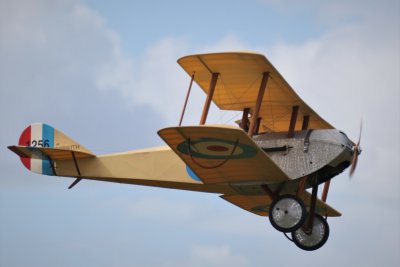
x=105, y=73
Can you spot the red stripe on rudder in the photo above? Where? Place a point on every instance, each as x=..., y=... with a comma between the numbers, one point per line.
x=25, y=140
x=26, y=162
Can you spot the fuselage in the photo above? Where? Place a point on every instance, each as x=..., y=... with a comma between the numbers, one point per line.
x=326, y=152
x=308, y=151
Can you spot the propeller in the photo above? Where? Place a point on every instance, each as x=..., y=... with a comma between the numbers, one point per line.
x=356, y=151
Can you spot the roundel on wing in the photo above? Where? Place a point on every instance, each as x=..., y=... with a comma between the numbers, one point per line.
x=214, y=148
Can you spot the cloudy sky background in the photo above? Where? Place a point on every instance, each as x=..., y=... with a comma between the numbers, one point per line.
x=105, y=73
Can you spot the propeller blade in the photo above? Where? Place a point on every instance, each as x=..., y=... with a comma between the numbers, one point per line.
x=357, y=151
x=359, y=136
x=354, y=162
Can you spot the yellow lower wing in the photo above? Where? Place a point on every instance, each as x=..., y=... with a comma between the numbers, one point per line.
x=260, y=204
x=222, y=154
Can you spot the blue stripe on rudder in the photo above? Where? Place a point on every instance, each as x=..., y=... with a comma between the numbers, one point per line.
x=46, y=168
x=48, y=139
x=48, y=135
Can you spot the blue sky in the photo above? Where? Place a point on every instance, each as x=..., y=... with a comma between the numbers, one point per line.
x=105, y=73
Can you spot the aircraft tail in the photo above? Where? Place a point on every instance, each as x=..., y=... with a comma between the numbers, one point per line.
x=40, y=145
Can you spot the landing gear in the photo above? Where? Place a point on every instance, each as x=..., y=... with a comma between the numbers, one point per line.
x=287, y=213
x=312, y=239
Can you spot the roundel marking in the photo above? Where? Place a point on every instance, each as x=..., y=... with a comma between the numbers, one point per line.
x=215, y=148
x=192, y=174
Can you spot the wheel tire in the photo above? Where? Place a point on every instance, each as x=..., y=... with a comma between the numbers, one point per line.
x=316, y=239
x=287, y=213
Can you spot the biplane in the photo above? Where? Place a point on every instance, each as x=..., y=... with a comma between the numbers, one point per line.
x=270, y=164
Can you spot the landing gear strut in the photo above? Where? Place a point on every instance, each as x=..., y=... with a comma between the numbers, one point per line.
x=314, y=238
x=288, y=214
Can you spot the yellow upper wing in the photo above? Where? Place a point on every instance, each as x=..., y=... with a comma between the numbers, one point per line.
x=238, y=85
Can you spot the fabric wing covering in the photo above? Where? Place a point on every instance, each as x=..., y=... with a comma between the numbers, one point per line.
x=238, y=84
x=259, y=204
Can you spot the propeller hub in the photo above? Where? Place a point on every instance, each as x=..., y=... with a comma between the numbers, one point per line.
x=357, y=149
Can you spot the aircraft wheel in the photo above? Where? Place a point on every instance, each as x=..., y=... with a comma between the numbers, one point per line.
x=287, y=213
x=314, y=240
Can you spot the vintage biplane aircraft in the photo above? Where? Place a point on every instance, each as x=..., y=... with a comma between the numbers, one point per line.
x=281, y=148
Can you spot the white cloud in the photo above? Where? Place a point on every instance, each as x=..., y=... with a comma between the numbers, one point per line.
x=228, y=42
x=50, y=51
x=159, y=82
x=155, y=81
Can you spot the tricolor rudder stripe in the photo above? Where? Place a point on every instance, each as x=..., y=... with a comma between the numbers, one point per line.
x=37, y=135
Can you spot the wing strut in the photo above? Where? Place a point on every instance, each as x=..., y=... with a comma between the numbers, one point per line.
x=254, y=117
x=306, y=120
x=293, y=119
x=210, y=94
x=244, y=123
x=78, y=179
x=313, y=203
x=325, y=191
x=186, y=100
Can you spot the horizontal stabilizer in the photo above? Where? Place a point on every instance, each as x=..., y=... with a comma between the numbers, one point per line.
x=45, y=153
